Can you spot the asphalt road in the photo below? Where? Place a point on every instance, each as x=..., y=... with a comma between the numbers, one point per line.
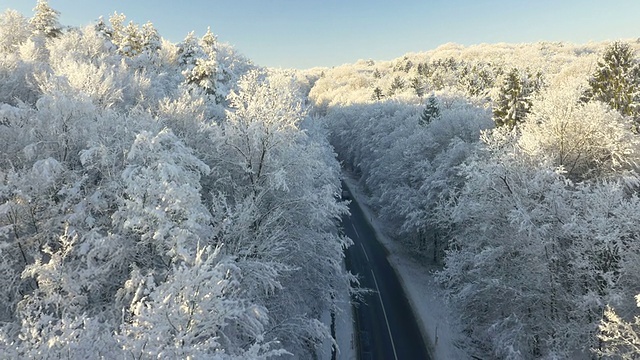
x=385, y=325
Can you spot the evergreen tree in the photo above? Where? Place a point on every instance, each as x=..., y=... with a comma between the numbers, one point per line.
x=189, y=51
x=430, y=112
x=45, y=20
x=116, y=33
x=131, y=40
x=417, y=86
x=103, y=29
x=377, y=94
x=397, y=84
x=151, y=40
x=424, y=70
x=408, y=66
x=514, y=101
x=131, y=44
x=616, y=81
x=209, y=40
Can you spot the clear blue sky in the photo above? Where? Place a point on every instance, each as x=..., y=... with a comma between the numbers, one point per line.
x=308, y=33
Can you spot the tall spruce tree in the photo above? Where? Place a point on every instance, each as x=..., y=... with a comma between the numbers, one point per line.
x=396, y=85
x=377, y=94
x=45, y=20
x=431, y=111
x=417, y=86
x=616, y=81
x=514, y=100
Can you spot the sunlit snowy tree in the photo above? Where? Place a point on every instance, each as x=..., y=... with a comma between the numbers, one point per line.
x=514, y=100
x=620, y=338
x=616, y=81
x=14, y=30
x=125, y=229
x=45, y=20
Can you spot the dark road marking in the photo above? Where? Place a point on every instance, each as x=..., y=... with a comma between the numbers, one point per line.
x=386, y=319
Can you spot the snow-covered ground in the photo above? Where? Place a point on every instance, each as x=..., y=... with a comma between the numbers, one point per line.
x=424, y=294
x=345, y=331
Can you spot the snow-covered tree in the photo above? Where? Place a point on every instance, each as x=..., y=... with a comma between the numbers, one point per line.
x=377, y=94
x=45, y=20
x=131, y=42
x=620, y=338
x=198, y=311
x=162, y=173
x=189, y=51
x=277, y=233
x=396, y=85
x=616, y=81
x=585, y=141
x=151, y=40
x=514, y=100
x=14, y=30
x=431, y=111
x=118, y=201
x=209, y=41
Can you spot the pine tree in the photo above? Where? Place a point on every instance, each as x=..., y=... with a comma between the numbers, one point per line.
x=103, y=29
x=45, y=20
x=514, y=101
x=377, y=94
x=116, y=32
x=131, y=44
x=209, y=40
x=151, y=40
x=189, y=51
x=396, y=85
x=430, y=112
x=424, y=70
x=616, y=81
x=417, y=86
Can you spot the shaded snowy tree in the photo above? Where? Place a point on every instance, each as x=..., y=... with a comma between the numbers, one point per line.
x=431, y=111
x=198, y=311
x=189, y=50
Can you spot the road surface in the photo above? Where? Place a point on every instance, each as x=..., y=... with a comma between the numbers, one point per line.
x=385, y=325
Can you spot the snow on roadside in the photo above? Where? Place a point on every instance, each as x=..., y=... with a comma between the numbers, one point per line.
x=345, y=336
x=424, y=294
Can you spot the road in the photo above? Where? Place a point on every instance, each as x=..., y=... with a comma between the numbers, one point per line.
x=385, y=325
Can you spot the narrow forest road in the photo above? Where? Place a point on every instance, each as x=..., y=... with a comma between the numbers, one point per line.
x=385, y=326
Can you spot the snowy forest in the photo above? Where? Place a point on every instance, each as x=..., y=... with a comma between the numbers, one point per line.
x=176, y=200
x=159, y=200
x=513, y=167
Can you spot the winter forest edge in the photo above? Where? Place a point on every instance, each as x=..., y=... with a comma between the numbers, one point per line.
x=163, y=200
